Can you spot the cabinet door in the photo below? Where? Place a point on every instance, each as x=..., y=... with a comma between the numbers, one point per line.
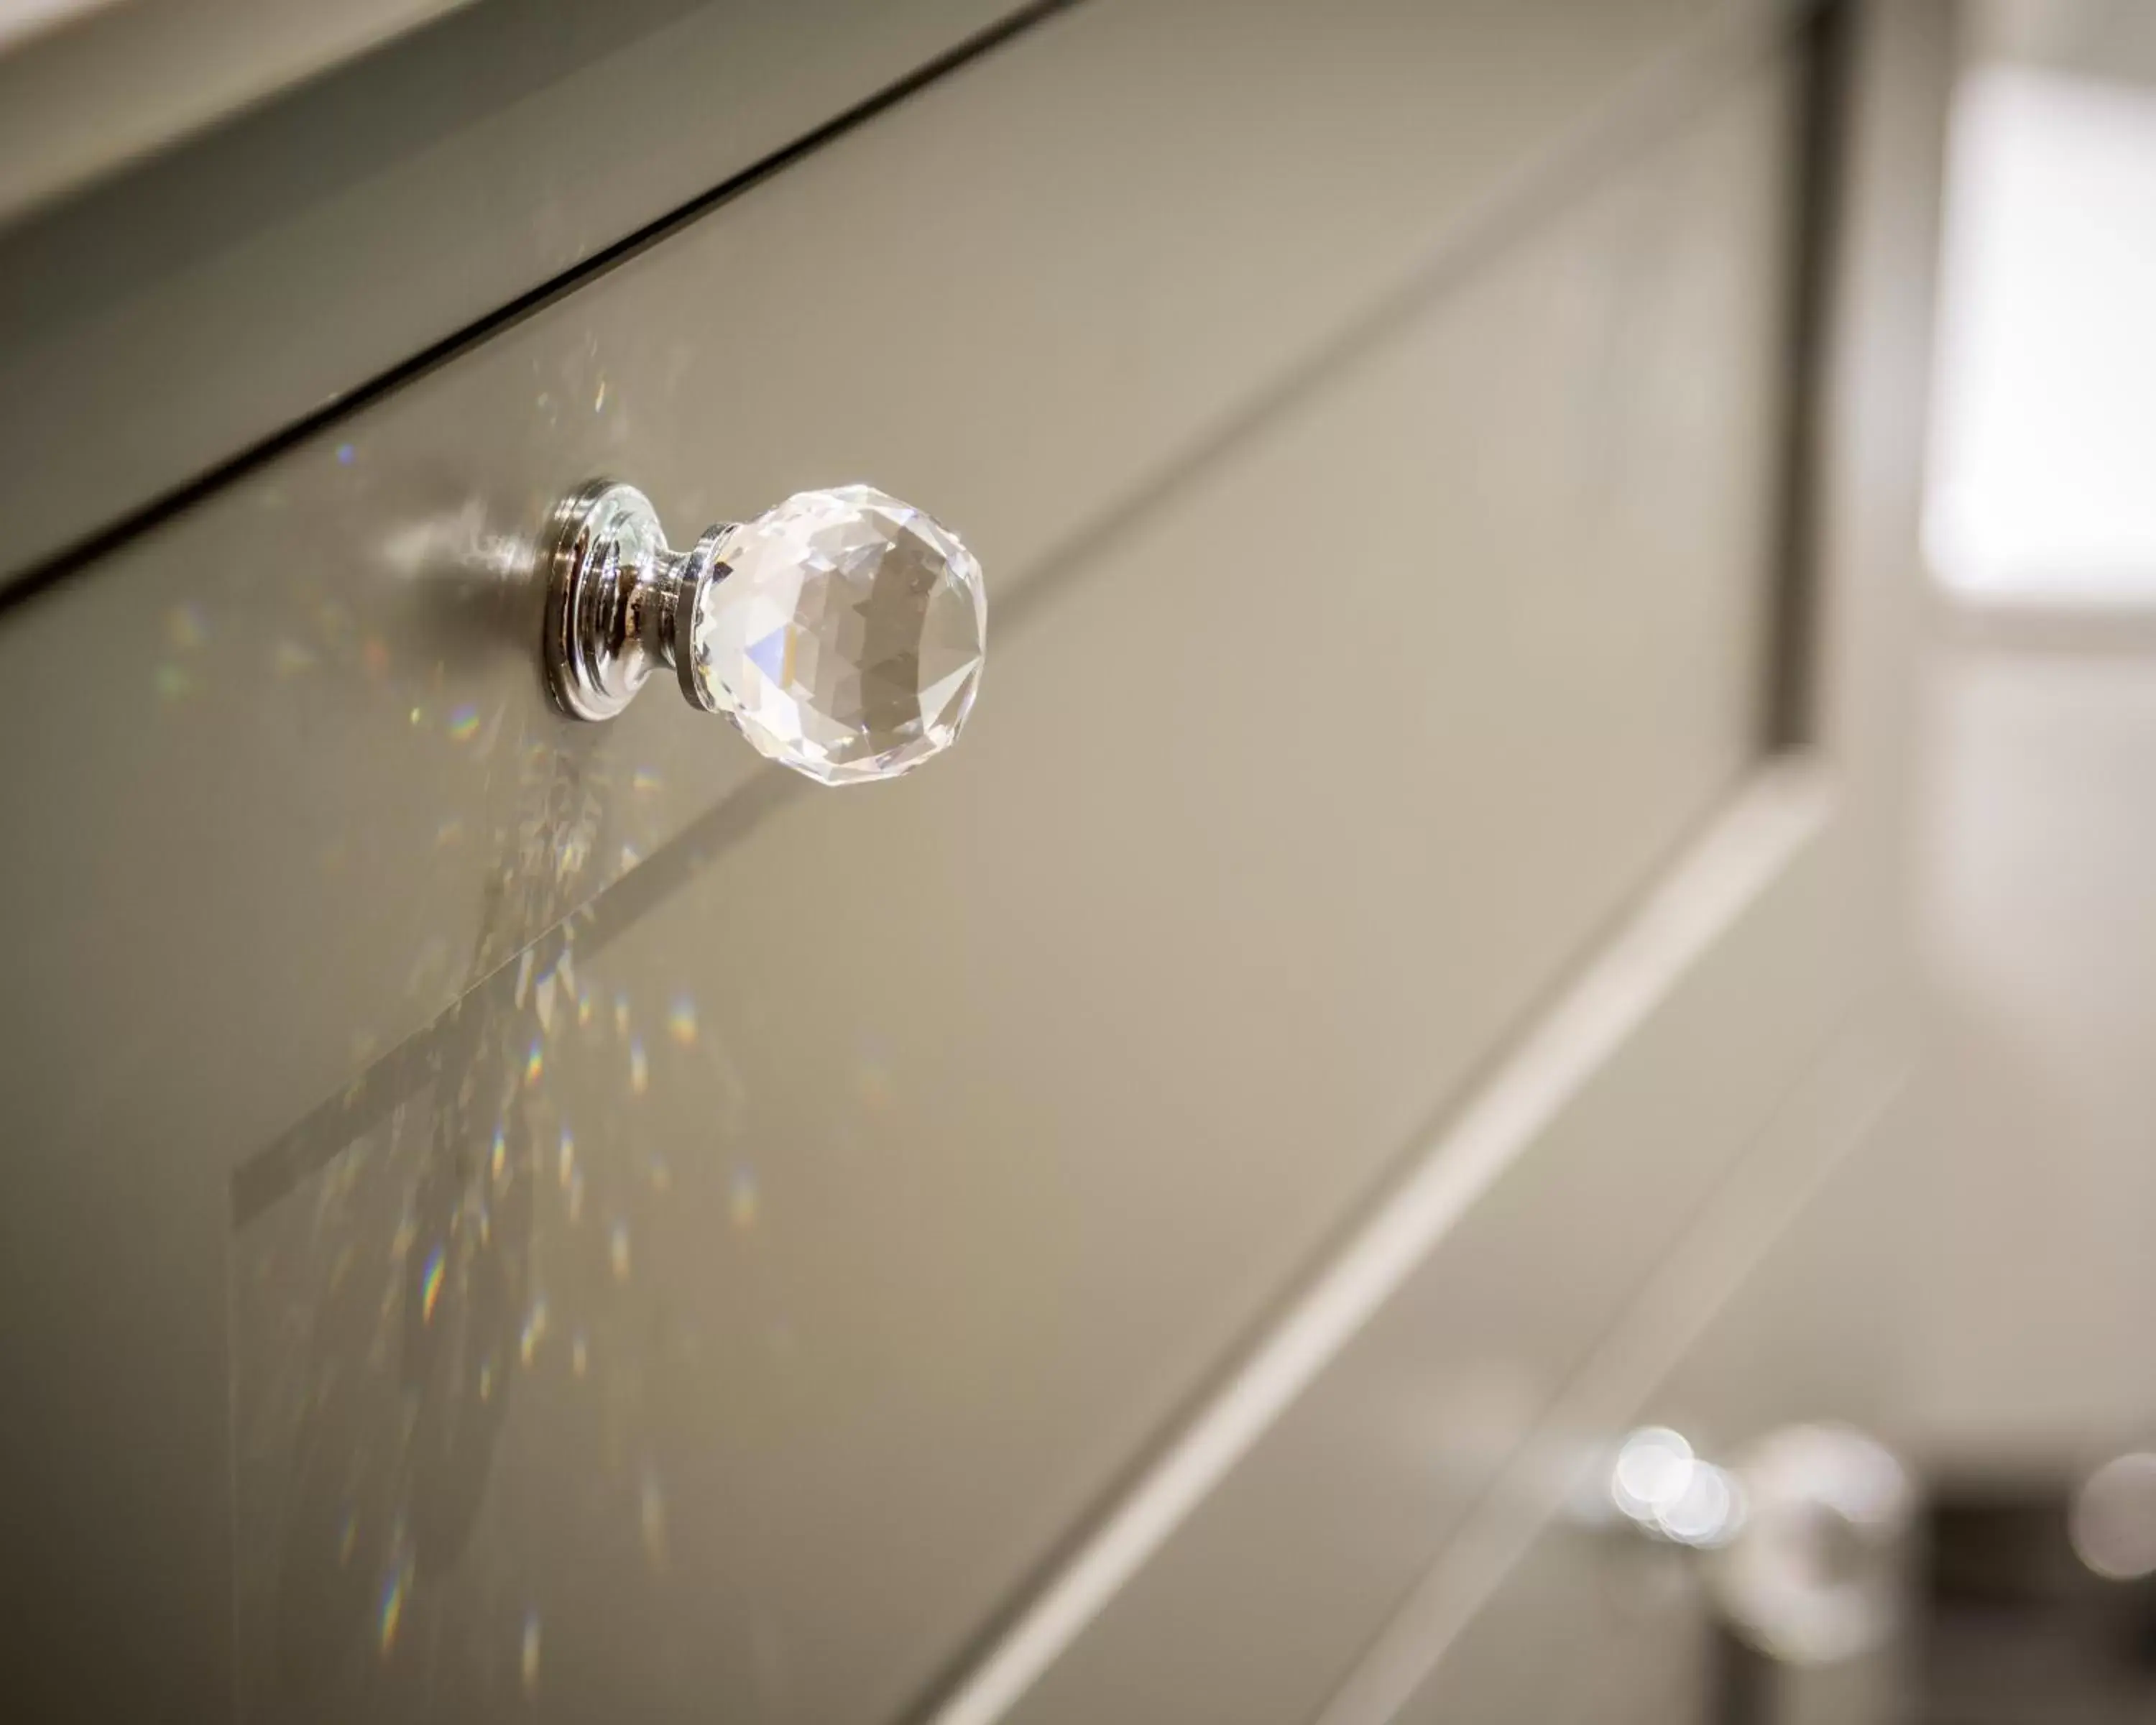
x=512, y=1218
x=1275, y=1538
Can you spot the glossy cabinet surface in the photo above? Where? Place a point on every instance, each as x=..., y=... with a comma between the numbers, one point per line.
x=188, y=308
x=1258, y=1606
x=892, y=1166
x=1775, y=1310
x=1385, y=1506
x=549, y=1220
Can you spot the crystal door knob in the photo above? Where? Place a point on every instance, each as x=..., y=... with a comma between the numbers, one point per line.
x=840, y=631
x=1803, y=1536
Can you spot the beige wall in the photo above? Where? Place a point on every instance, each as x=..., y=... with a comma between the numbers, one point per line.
x=2033, y=1242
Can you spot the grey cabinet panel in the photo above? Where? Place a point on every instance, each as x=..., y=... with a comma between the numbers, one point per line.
x=888, y=1182
x=86, y=87
x=318, y=730
x=1255, y=1608
x=1433, y=1433
x=1371, y=615
x=1377, y=1420
x=1778, y=1308
x=200, y=303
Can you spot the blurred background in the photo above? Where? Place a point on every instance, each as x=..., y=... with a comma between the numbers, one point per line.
x=2033, y=901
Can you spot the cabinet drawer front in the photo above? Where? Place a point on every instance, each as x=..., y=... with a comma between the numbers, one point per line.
x=326, y=658
x=753, y=1225
x=1775, y=1311
x=200, y=303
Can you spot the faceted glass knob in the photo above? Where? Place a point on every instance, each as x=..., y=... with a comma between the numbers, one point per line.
x=841, y=632
x=1804, y=1537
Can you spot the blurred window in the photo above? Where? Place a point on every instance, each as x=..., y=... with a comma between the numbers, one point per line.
x=2043, y=479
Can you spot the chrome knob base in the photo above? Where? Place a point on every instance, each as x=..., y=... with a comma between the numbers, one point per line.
x=613, y=590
